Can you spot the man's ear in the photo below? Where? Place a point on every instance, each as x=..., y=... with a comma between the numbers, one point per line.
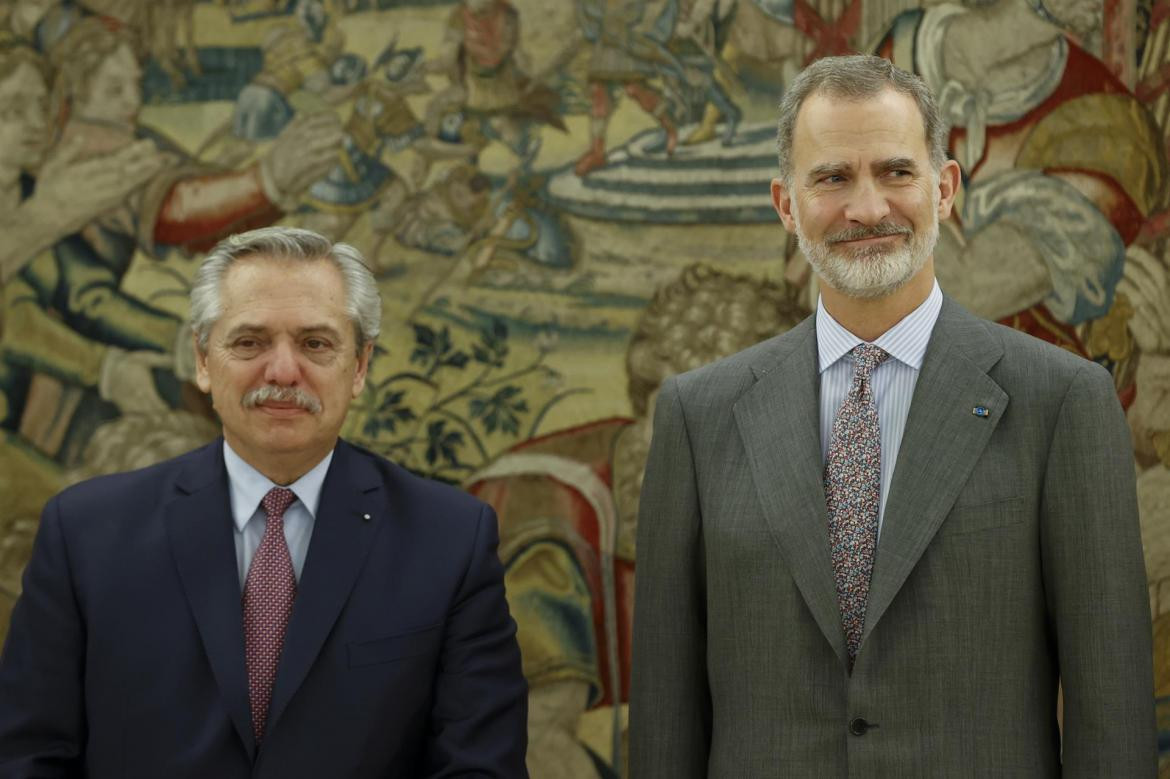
x=949, y=177
x=202, y=377
x=363, y=367
x=782, y=202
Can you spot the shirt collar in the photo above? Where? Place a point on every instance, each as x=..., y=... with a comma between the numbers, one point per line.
x=905, y=341
x=248, y=486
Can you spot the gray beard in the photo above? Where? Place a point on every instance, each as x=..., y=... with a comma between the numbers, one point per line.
x=868, y=274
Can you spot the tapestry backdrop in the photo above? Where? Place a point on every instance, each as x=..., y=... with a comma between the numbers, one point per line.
x=564, y=202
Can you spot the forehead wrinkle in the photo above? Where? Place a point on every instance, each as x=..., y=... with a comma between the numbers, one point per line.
x=877, y=167
x=276, y=293
x=253, y=327
x=326, y=328
x=833, y=126
x=246, y=327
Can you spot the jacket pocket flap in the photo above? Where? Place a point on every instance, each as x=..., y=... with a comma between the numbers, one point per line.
x=971, y=518
x=412, y=643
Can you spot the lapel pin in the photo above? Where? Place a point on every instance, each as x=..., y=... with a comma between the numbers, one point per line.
x=366, y=517
x=981, y=411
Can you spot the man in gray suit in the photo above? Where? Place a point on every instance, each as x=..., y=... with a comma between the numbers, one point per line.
x=877, y=544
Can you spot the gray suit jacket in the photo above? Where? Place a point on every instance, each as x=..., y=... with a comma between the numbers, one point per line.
x=1010, y=560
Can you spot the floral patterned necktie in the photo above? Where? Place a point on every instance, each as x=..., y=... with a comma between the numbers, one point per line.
x=269, y=592
x=853, y=488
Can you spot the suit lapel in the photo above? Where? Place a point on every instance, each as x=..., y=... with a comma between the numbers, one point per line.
x=940, y=446
x=199, y=527
x=779, y=422
x=350, y=513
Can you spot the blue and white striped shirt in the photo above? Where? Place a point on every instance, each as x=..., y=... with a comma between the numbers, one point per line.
x=892, y=382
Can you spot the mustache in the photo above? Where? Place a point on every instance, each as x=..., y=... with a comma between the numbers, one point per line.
x=879, y=230
x=273, y=393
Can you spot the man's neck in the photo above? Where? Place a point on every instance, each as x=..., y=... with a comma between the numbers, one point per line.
x=281, y=468
x=869, y=318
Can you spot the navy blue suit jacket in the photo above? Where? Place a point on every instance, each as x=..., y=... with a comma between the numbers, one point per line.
x=126, y=651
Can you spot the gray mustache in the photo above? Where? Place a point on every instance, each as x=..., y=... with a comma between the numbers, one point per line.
x=880, y=230
x=273, y=393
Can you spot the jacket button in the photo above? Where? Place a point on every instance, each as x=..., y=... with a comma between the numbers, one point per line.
x=858, y=726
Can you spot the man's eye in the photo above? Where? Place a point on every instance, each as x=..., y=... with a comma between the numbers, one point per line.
x=246, y=343
x=316, y=344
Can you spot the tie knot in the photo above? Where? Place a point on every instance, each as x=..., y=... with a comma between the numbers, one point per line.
x=866, y=357
x=277, y=501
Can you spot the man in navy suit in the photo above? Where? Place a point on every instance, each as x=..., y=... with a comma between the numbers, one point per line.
x=279, y=603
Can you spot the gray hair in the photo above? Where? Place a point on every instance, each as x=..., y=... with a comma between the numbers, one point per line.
x=363, y=303
x=857, y=77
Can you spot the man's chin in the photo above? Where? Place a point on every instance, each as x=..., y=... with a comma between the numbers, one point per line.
x=877, y=252
x=866, y=289
x=867, y=276
x=273, y=426
x=285, y=441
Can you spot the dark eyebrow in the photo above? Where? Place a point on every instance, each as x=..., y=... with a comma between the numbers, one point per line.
x=829, y=169
x=895, y=163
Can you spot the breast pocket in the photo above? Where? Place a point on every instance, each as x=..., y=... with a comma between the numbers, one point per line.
x=413, y=643
x=976, y=517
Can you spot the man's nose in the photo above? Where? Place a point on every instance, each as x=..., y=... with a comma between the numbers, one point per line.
x=283, y=366
x=868, y=204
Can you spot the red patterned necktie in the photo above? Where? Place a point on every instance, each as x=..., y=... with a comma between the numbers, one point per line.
x=853, y=489
x=269, y=592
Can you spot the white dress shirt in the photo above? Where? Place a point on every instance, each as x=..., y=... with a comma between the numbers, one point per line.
x=248, y=487
x=892, y=382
